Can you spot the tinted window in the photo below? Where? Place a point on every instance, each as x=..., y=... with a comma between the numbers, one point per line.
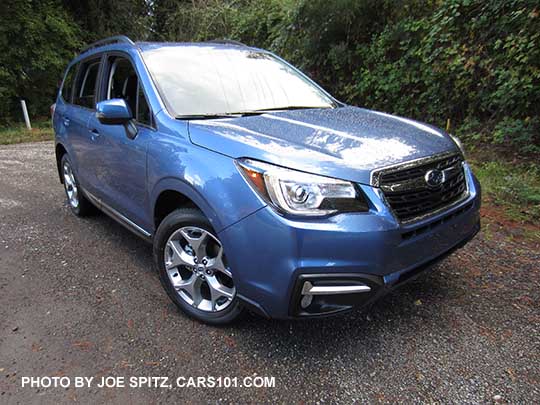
x=67, y=85
x=85, y=89
x=143, y=111
x=124, y=83
x=207, y=80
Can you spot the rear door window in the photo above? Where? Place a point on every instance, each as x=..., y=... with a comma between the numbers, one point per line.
x=86, y=84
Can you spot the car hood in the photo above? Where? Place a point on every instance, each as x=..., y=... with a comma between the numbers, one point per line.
x=345, y=142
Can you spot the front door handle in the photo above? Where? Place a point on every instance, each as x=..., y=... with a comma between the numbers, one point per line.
x=66, y=121
x=95, y=132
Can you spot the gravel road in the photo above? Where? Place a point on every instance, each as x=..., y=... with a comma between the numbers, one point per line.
x=79, y=297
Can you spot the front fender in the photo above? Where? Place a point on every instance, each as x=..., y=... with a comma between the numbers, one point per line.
x=210, y=180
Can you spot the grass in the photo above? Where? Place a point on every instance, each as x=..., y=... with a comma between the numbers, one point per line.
x=41, y=131
x=514, y=187
x=510, y=197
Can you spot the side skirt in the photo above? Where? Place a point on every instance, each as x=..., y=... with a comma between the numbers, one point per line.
x=118, y=217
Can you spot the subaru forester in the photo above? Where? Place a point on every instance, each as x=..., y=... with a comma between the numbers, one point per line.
x=256, y=187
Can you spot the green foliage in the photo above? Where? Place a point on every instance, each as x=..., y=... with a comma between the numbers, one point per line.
x=100, y=19
x=471, y=61
x=37, y=38
x=41, y=131
x=514, y=187
x=474, y=62
x=519, y=132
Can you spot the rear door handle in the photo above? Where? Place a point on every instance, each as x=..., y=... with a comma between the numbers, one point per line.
x=95, y=132
x=66, y=121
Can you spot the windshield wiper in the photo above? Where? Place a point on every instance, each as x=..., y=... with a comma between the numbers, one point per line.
x=204, y=116
x=243, y=113
x=216, y=116
x=290, y=107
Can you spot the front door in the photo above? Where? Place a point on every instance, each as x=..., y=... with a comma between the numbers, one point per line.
x=121, y=169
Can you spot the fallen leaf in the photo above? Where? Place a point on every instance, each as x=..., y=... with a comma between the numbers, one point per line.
x=83, y=344
x=507, y=333
x=125, y=364
x=229, y=341
x=36, y=348
x=511, y=373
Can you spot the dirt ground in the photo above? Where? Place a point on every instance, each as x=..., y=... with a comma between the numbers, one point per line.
x=79, y=297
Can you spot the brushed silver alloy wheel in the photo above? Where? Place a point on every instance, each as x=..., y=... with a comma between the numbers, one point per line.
x=197, y=269
x=70, y=185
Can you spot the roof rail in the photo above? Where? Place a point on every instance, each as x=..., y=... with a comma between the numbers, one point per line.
x=111, y=40
x=226, y=41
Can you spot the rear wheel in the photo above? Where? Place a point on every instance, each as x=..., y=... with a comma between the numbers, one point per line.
x=78, y=203
x=193, y=268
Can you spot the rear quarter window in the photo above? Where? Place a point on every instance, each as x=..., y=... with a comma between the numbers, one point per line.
x=67, y=85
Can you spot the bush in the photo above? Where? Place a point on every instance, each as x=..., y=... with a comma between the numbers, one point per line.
x=468, y=61
x=37, y=40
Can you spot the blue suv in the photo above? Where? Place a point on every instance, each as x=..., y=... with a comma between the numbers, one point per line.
x=256, y=187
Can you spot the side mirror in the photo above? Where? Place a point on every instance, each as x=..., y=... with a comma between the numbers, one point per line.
x=116, y=112
x=113, y=112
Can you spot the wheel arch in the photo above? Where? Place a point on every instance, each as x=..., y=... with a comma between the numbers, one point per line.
x=60, y=151
x=172, y=193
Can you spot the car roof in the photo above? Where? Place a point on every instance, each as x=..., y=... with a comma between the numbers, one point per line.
x=122, y=43
x=218, y=44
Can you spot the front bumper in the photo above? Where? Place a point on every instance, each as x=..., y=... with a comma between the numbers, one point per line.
x=272, y=257
x=304, y=304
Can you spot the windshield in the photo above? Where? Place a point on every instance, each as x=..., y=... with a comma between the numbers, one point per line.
x=205, y=80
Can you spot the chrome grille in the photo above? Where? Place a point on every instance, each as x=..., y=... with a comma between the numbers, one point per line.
x=408, y=193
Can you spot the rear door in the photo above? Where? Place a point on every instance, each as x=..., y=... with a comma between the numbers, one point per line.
x=121, y=171
x=82, y=140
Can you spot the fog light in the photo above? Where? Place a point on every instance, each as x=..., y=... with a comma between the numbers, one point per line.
x=310, y=289
x=325, y=294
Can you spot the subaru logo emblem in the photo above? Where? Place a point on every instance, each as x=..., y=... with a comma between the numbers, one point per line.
x=434, y=178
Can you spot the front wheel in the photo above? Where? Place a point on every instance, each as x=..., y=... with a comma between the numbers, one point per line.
x=193, y=268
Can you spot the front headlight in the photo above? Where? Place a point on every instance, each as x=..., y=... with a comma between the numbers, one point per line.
x=299, y=193
x=458, y=144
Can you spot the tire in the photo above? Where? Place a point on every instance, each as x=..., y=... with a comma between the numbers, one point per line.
x=76, y=200
x=193, y=268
